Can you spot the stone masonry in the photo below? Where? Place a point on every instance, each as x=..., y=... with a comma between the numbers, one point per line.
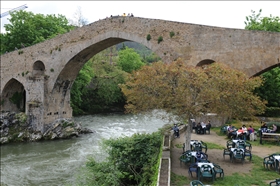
x=44, y=73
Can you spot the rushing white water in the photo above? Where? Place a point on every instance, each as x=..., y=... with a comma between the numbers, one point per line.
x=57, y=162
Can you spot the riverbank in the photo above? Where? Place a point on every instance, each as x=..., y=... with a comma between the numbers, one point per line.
x=14, y=127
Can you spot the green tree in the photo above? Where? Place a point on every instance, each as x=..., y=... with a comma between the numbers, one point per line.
x=79, y=87
x=188, y=92
x=26, y=29
x=256, y=22
x=102, y=94
x=129, y=60
x=270, y=90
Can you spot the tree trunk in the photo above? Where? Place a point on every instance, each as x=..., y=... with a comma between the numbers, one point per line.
x=188, y=133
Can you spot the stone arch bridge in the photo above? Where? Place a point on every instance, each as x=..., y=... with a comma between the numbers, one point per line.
x=41, y=75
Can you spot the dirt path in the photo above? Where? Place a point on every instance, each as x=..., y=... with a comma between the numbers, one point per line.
x=215, y=155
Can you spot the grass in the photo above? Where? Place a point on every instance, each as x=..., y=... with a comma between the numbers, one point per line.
x=179, y=180
x=258, y=176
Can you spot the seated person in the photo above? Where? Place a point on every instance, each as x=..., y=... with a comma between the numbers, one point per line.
x=274, y=128
x=203, y=125
x=240, y=133
x=231, y=132
x=199, y=129
x=208, y=126
x=198, y=156
x=264, y=127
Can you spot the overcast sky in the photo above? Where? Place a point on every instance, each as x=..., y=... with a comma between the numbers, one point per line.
x=229, y=14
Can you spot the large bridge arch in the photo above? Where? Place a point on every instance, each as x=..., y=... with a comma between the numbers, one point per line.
x=96, y=45
x=63, y=56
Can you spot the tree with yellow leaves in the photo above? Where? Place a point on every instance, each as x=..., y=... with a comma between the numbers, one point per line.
x=187, y=92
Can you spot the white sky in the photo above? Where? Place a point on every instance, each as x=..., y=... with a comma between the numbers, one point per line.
x=229, y=14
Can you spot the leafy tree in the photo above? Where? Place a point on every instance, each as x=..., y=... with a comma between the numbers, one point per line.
x=188, y=92
x=270, y=90
x=26, y=29
x=79, y=87
x=256, y=22
x=103, y=93
x=129, y=60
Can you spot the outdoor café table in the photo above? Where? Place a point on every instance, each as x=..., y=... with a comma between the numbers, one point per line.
x=194, y=142
x=194, y=156
x=236, y=142
x=277, y=160
x=199, y=165
x=232, y=152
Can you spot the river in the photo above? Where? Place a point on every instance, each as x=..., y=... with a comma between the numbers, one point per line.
x=58, y=162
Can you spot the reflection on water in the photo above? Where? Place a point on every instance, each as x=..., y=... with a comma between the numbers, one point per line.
x=55, y=162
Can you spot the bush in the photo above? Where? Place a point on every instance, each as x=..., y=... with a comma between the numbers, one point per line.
x=131, y=161
x=160, y=39
x=149, y=37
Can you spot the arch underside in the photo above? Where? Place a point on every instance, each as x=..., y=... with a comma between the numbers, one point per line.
x=13, y=96
x=267, y=69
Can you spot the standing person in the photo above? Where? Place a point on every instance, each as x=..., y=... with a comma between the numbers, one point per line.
x=176, y=131
x=193, y=124
x=203, y=125
x=245, y=132
x=251, y=133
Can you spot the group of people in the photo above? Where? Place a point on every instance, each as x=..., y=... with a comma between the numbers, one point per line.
x=264, y=128
x=131, y=15
x=248, y=133
x=201, y=127
x=241, y=133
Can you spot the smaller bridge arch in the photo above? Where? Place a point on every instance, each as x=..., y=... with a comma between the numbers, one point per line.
x=38, y=68
x=205, y=62
x=13, y=96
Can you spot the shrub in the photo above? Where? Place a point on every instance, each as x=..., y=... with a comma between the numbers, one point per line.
x=132, y=160
x=160, y=39
x=171, y=34
x=149, y=37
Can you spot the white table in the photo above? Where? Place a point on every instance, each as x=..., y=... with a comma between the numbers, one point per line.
x=195, y=141
x=233, y=150
x=277, y=157
x=236, y=142
x=200, y=164
x=194, y=154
